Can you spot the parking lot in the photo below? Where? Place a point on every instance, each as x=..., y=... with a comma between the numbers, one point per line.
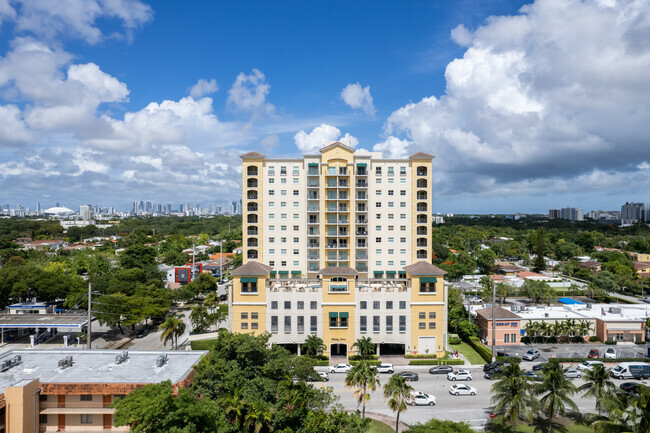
x=580, y=350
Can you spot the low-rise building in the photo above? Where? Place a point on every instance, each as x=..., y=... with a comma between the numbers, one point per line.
x=507, y=326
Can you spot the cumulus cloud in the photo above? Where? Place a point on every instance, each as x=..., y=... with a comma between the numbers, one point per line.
x=203, y=87
x=540, y=96
x=320, y=136
x=393, y=148
x=248, y=93
x=358, y=97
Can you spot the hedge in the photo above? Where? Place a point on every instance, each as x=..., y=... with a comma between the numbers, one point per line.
x=485, y=353
x=593, y=339
x=320, y=363
x=454, y=341
x=420, y=356
x=509, y=359
x=370, y=362
x=359, y=357
x=437, y=362
x=610, y=342
x=640, y=342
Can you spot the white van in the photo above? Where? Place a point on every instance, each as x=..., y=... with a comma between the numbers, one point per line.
x=631, y=370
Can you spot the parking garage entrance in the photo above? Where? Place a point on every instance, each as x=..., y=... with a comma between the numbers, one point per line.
x=338, y=349
x=391, y=349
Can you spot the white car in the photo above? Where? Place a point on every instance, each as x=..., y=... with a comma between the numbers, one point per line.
x=324, y=376
x=462, y=390
x=531, y=355
x=340, y=368
x=571, y=373
x=610, y=353
x=385, y=368
x=459, y=375
x=422, y=399
x=589, y=365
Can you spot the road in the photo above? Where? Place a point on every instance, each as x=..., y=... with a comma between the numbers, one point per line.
x=579, y=350
x=474, y=409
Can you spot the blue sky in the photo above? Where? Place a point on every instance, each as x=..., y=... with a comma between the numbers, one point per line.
x=526, y=105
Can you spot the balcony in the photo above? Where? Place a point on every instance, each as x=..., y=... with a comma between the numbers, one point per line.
x=362, y=184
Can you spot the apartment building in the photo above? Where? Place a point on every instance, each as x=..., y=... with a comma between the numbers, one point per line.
x=338, y=245
x=340, y=208
x=72, y=390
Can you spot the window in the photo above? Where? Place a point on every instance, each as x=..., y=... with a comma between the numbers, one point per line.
x=363, y=323
x=432, y=325
x=271, y=240
x=391, y=204
x=86, y=397
x=378, y=240
x=248, y=285
x=283, y=251
x=402, y=305
x=402, y=216
x=283, y=181
x=271, y=263
x=283, y=171
x=389, y=323
x=283, y=263
x=403, y=204
x=296, y=252
x=513, y=338
x=428, y=285
x=300, y=305
x=422, y=316
x=271, y=180
x=274, y=305
x=287, y=324
x=377, y=171
x=244, y=316
x=296, y=204
x=301, y=324
x=391, y=228
x=378, y=216
x=271, y=204
x=391, y=239
x=402, y=240
x=402, y=251
x=375, y=323
x=283, y=192
x=378, y=228
x=86, y=418
x=271, y=171
x=254, y=325
x=378, y=181
x=338, y=320
x=287, y=305
x=244, y=325
x=402, y=171
x=389, y=305
x=422, y=325
x=295, y=171
x=402, y=323
x=42, y=397
x=506, y=338
x=402, y=228
x=283, y=228
x=296, y=262
x=254, y=316
x=378, y=204
x=376, y=305
x=390, y=192
x=42, y=418
x=432, y=314
x=363, y=305
x=296, y=240
x=271, y=192
x=313, y=324
x=313, y=305
x=271, y=251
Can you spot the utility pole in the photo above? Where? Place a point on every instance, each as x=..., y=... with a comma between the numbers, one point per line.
x=221, y=260
x=493, y=328
x=89, y=333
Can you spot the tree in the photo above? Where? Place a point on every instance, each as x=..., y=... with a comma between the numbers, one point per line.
x=502, y=291
x=363, y=378
x=199, y=317
x=365, y=347
x=539, y=264
x=512, y=394
x=441, y=426
x=598, y=384
x=313, y=345
x=626, y=413
x=398, y=394
x=556, y=391
x=466, y=330
x=203, y=283
x=138, y=256
x=485, y=261
x=172, y=328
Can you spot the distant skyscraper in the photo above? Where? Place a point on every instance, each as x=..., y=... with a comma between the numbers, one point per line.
x=38, y=207
x=86, y=212
x=554, y=213
x=635, y=212
x=572, y=214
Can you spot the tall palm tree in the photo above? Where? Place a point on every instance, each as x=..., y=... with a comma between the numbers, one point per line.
x=365, y=347
x=513, y=396
x=557, y=391
x=211, y=301
x=584, y=327
x=626, y=413
x=235, y=409
x=363, y=379
x=398, y=393
x=313, y=345
x=597, y=384
x=199, y=318
x=258, y=418
x=172, y=328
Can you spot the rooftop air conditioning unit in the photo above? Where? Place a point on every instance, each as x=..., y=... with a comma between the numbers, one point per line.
x=122, y=357
x=17, y=359
x=588, y=306
x=65, y=362
x=161, y=360
x=545, y=314
x=5, y=365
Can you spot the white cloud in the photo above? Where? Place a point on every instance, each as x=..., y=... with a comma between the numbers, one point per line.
x=321, y=136
x=358, y=97
x=13, y=131
x=249, y=92
x=393, y=148
x=6, y=11
x=203, y=87
x=541, y=96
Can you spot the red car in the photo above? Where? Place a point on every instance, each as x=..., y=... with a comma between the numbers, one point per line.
x=593, y=353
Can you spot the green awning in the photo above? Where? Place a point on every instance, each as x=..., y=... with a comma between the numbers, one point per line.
x=272, y=273
x=296, y=272
x=391, y=272
x=343, y=315
x=379, y=273
x=334, y=315
x=402, y=274
x=362, y=164
x=249, y=280
x=312, y=164
x=428, y=280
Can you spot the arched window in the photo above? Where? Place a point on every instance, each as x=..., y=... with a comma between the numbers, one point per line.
x=251, y=171
x=251, y=183
x=421, y=219
x=421, y=171
x=253, y=231
x=252, y=242
x=339, y=279
x=252, y=195
x=252, y=207
x=252, y=254
x=422, y=183
x=252, y=219
x=422, y=207
x=421, y=242
x=421, y=254
x=420, y=230
x=422, y=195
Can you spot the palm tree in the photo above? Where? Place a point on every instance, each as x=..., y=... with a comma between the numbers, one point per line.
x=171, y=329
x=211, y=301
x=597, y=384
x=502, y=291
x=365, y=347
x=398, y=393
x=313, y=345
x=235, y=409
x=583, y=328
x=363, y=378
x=626, y=413
x=557, y=391
x=258, y=418
x=199, y=318
x=512, y=394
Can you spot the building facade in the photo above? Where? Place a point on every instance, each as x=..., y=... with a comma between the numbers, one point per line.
x=340, y=208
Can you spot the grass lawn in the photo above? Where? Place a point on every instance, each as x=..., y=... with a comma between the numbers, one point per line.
x=497, y=426
x=472, y=356
x=380, y=427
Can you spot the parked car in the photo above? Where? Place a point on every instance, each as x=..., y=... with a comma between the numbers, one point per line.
x=441, y=369
x=610, y=353
x=340, y=368
x=593, y=353
x=324, y=376
x=491, y=373
x=571, y=373
x=462, y=389
x=589, y=365
x=531, y=355
x=533, y=375
x=459, y=375
x=409, y=376
x=631, y=370
x=630, y=388
x=142, y=333
x=385, y=368
x=647, y=300
x=422, y=399
x=492, y=365
x=539, y=366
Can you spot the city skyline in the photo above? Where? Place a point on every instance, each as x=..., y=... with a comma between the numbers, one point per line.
x=525, y=106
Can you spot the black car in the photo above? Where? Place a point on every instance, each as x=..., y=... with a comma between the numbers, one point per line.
x=441, y=369
x=492, y=365
x=141, y=333
x=409, y=376
x=491, y=373
x=630, y=388
x=539, y=366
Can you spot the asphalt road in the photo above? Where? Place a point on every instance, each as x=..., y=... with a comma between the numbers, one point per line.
x=474, y=409
x=580, y=350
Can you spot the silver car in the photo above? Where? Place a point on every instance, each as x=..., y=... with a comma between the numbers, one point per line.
x=462, y=389
x=571, y=373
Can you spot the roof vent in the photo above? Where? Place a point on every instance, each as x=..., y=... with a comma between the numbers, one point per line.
x=122, y=357
x=161, y=360
x=65, y=362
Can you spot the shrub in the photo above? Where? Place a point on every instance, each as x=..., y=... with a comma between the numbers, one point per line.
x=593, y=339
x=640, y=342
x=370, y=362
x=319, y=357
x=577, y=339
x=420, y=356
x=509, y=359
x=359, y=357
x=437, y=362
x=525, y=339
x=455, y=340
x=485, y=353
x=320, y=363
x=610, y=342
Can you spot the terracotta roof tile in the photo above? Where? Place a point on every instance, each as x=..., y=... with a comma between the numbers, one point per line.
x=424, y=268
x=499, y=313
x=252, y=155
x=421, y=155
x=342, y=270
x=252, y=269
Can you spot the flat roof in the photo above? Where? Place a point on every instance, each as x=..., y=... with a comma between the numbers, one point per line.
x=98, y=366
x=43, y=320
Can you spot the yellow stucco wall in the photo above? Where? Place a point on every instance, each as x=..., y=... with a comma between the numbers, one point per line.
x=415, y=163
x=428, y=303
x=259, y=163
x=258, y=299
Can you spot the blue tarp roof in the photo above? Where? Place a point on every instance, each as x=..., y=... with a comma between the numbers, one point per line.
x=570, y=301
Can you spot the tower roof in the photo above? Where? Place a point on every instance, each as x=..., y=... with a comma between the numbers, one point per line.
x=421, y=155
x=252, y=155
x=337, y=143
x=424, y=268
x=252, y=269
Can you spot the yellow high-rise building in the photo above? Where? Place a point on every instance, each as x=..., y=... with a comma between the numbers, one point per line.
x=339, y=245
